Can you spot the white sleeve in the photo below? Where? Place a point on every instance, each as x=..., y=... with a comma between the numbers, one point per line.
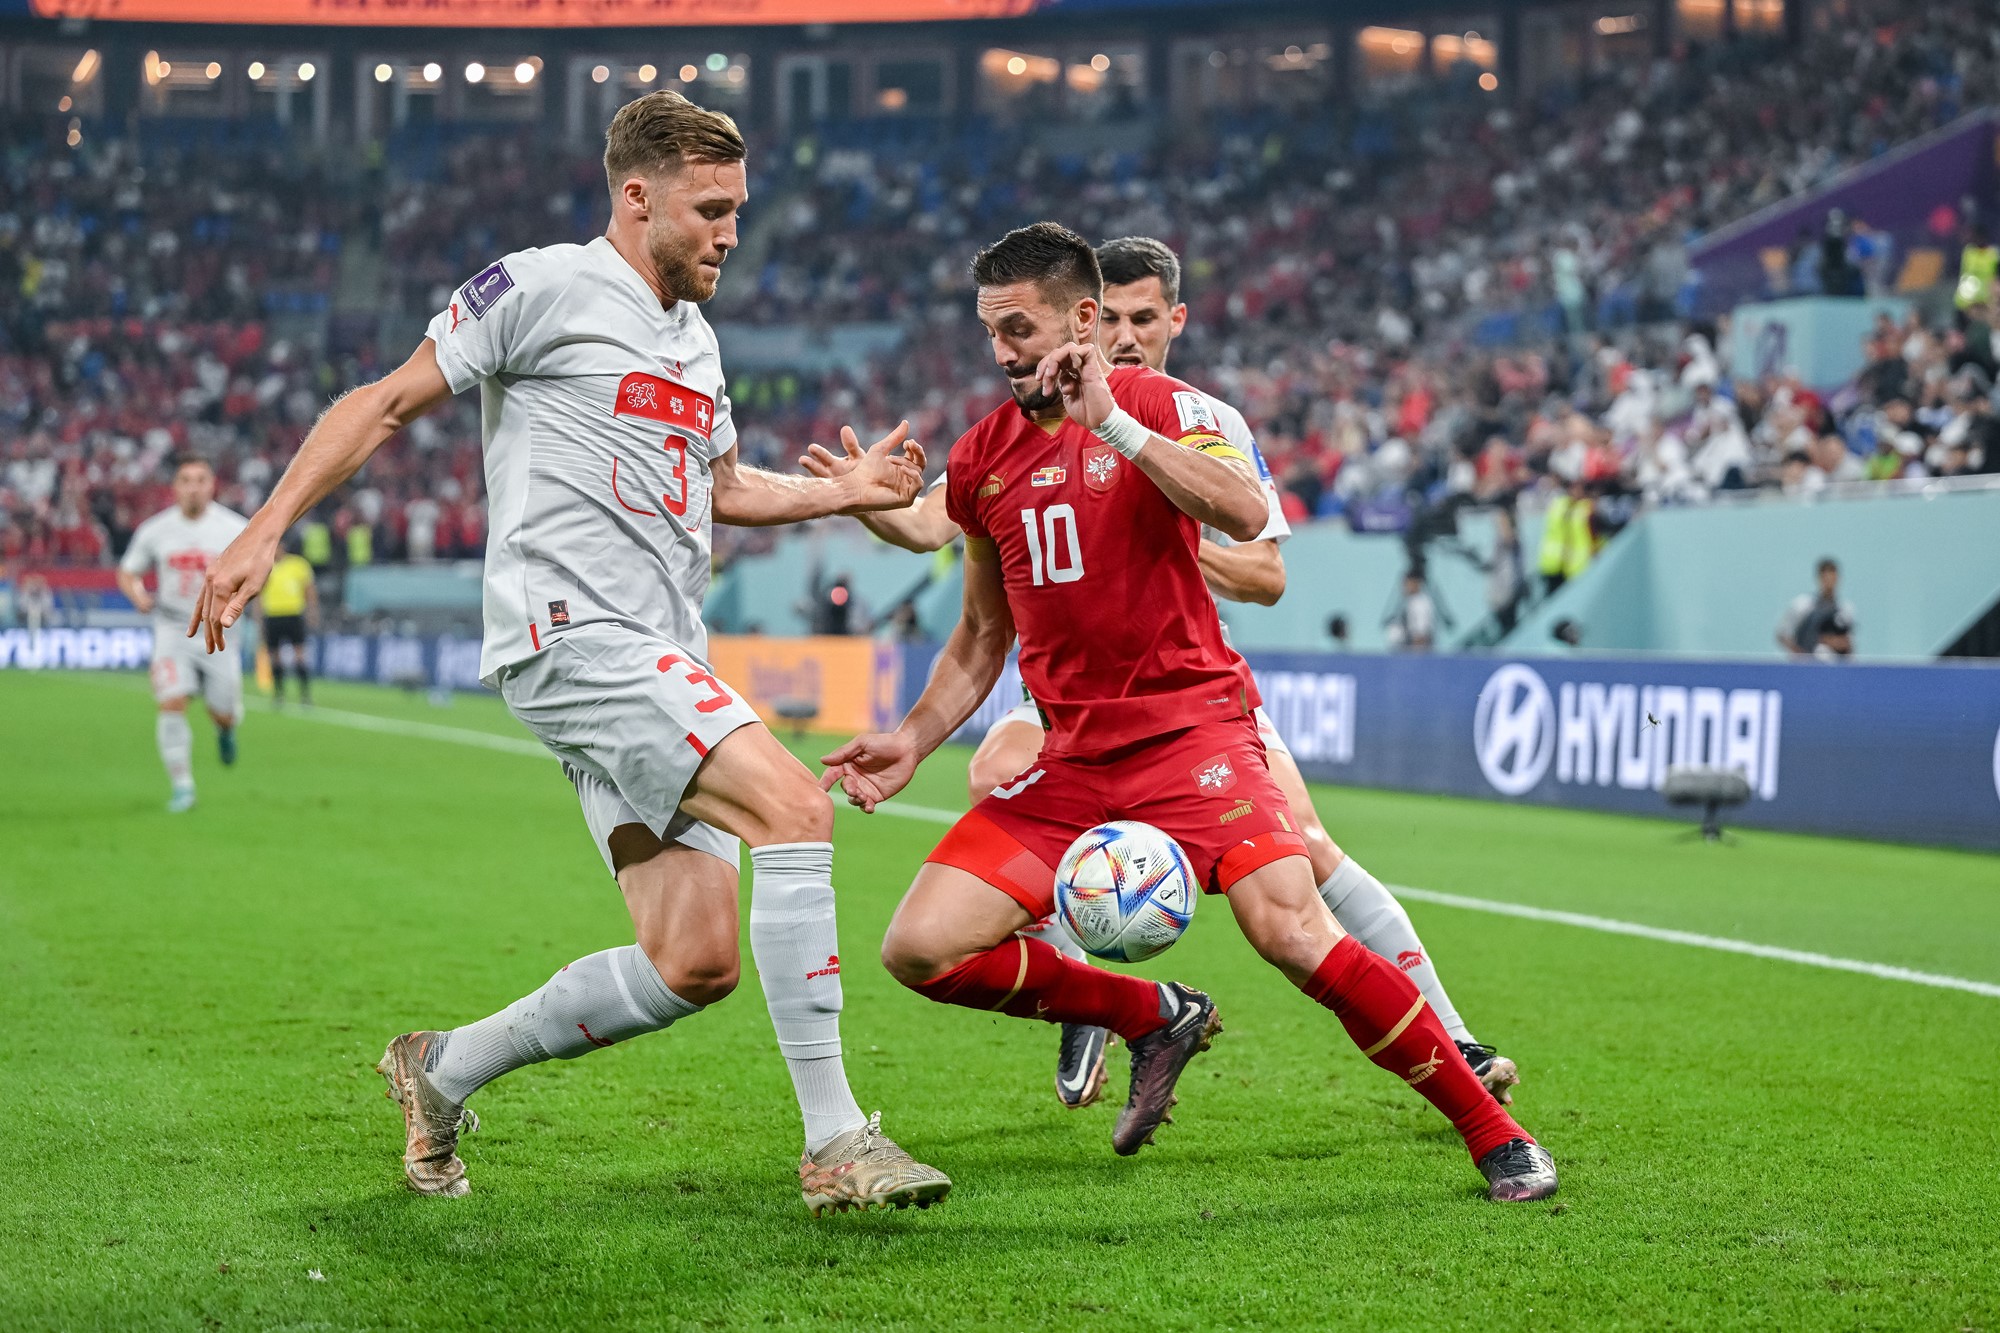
x=494, y=322
x=138, y=557
x=722, y=436
x=1237, y=431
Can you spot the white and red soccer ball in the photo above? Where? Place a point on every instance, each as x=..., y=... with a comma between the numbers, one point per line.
x=1125, y=891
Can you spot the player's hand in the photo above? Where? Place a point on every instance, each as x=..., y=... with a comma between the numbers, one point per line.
x=825, y=463
x=143, y=602
x=887, y=475
x=235, y=577
x=870, y=769
x=1076, y=371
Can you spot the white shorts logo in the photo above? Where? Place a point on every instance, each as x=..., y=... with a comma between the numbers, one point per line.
x=1514, y=729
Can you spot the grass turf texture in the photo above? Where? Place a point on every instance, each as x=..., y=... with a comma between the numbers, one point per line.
x=193, y=1135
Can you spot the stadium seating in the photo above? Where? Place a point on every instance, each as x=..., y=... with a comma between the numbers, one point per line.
x=1350, y=270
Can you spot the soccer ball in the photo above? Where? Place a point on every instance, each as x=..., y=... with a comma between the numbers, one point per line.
x=1125, y=891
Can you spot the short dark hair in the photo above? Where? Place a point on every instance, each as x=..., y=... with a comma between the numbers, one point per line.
x=1134, y=258
x=1826, y=562
x=190, y=460
x=654, y=134
x=1059, y=262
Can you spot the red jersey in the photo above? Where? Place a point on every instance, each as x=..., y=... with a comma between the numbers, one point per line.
x=1120, y=640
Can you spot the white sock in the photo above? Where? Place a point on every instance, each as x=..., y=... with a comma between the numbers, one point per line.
x=176, y=740
x=593, y=1002
x=1371, y=914
x=1057, y=935
x=797, y=949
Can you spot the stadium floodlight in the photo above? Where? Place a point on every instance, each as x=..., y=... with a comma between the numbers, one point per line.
x=383, y=73
x=647, y=73
x=66, y=103
x=256, y=70
x=718, y=62
x=75, y=134
x=1489, y=81
x=214, y=70
x=689, y=73
x=306, y=72
x=166, y=67
x=524, y=73
x=600, y=73
x=1100, y=62
x=1017, y=66
x=433, y=72
x=86, y=67
x=475, y=72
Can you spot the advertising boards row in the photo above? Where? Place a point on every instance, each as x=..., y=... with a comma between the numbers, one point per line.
x=1903, y=753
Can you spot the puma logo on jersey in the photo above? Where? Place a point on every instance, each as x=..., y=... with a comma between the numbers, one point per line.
x=991, y=486
x=1241, y=809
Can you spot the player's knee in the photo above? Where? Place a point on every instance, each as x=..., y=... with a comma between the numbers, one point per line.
x=1320, y=846
x=801, y=812
x=173, y=705
x=984, y=774
x=910, y=957
x=701, y=973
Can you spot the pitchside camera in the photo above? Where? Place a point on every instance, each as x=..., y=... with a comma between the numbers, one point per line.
x=1710, y=788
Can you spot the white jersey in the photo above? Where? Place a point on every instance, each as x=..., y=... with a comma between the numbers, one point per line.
x=601, y=415
x=178, y=550
x=1237, y=431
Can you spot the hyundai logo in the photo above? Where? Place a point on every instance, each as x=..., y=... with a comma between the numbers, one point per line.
x=1514, y=729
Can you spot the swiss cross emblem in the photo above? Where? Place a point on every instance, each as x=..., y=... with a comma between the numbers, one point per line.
x=1214, y=776
x=1100, y=467
x=640, y=393
x=701, y=414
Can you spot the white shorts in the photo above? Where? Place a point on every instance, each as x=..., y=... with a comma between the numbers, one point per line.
x=631, y=717
x=1273, y=742
x=181, y=668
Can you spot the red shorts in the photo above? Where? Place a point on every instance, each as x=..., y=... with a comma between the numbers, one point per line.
x=1208, y=787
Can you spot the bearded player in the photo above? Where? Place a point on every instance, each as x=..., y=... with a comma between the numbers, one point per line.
x=609, y=449
x=1082, y=504
x=1141, y=315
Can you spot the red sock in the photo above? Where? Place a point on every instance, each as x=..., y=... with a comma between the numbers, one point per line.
x=1029, y=979
x=1388, y=1019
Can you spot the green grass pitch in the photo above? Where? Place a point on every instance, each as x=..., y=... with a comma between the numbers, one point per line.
x=192, y=1136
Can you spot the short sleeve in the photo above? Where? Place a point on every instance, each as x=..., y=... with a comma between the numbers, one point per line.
x=138, y=557
x=490, y=325
x=722, y=436
x=1237, y=431
x=961, y=489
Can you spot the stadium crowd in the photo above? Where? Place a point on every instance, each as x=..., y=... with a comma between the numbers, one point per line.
x=172, y=298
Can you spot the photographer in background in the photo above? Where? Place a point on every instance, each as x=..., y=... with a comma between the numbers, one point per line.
x=1819, y=625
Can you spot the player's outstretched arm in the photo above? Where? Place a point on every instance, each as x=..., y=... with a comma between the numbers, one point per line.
x=334, y=450
x=1221, y=491
x=923, y=527
x=887, y=475
x=1245, y=572
x=872, y=768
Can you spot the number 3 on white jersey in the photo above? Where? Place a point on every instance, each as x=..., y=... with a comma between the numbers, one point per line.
x=1057, y=531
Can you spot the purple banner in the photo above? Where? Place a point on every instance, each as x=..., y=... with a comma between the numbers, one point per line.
x=1911, y=195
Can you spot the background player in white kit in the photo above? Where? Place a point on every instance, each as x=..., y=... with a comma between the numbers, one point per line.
x=1141, y=315
x=177, y=546
x=609, y=449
